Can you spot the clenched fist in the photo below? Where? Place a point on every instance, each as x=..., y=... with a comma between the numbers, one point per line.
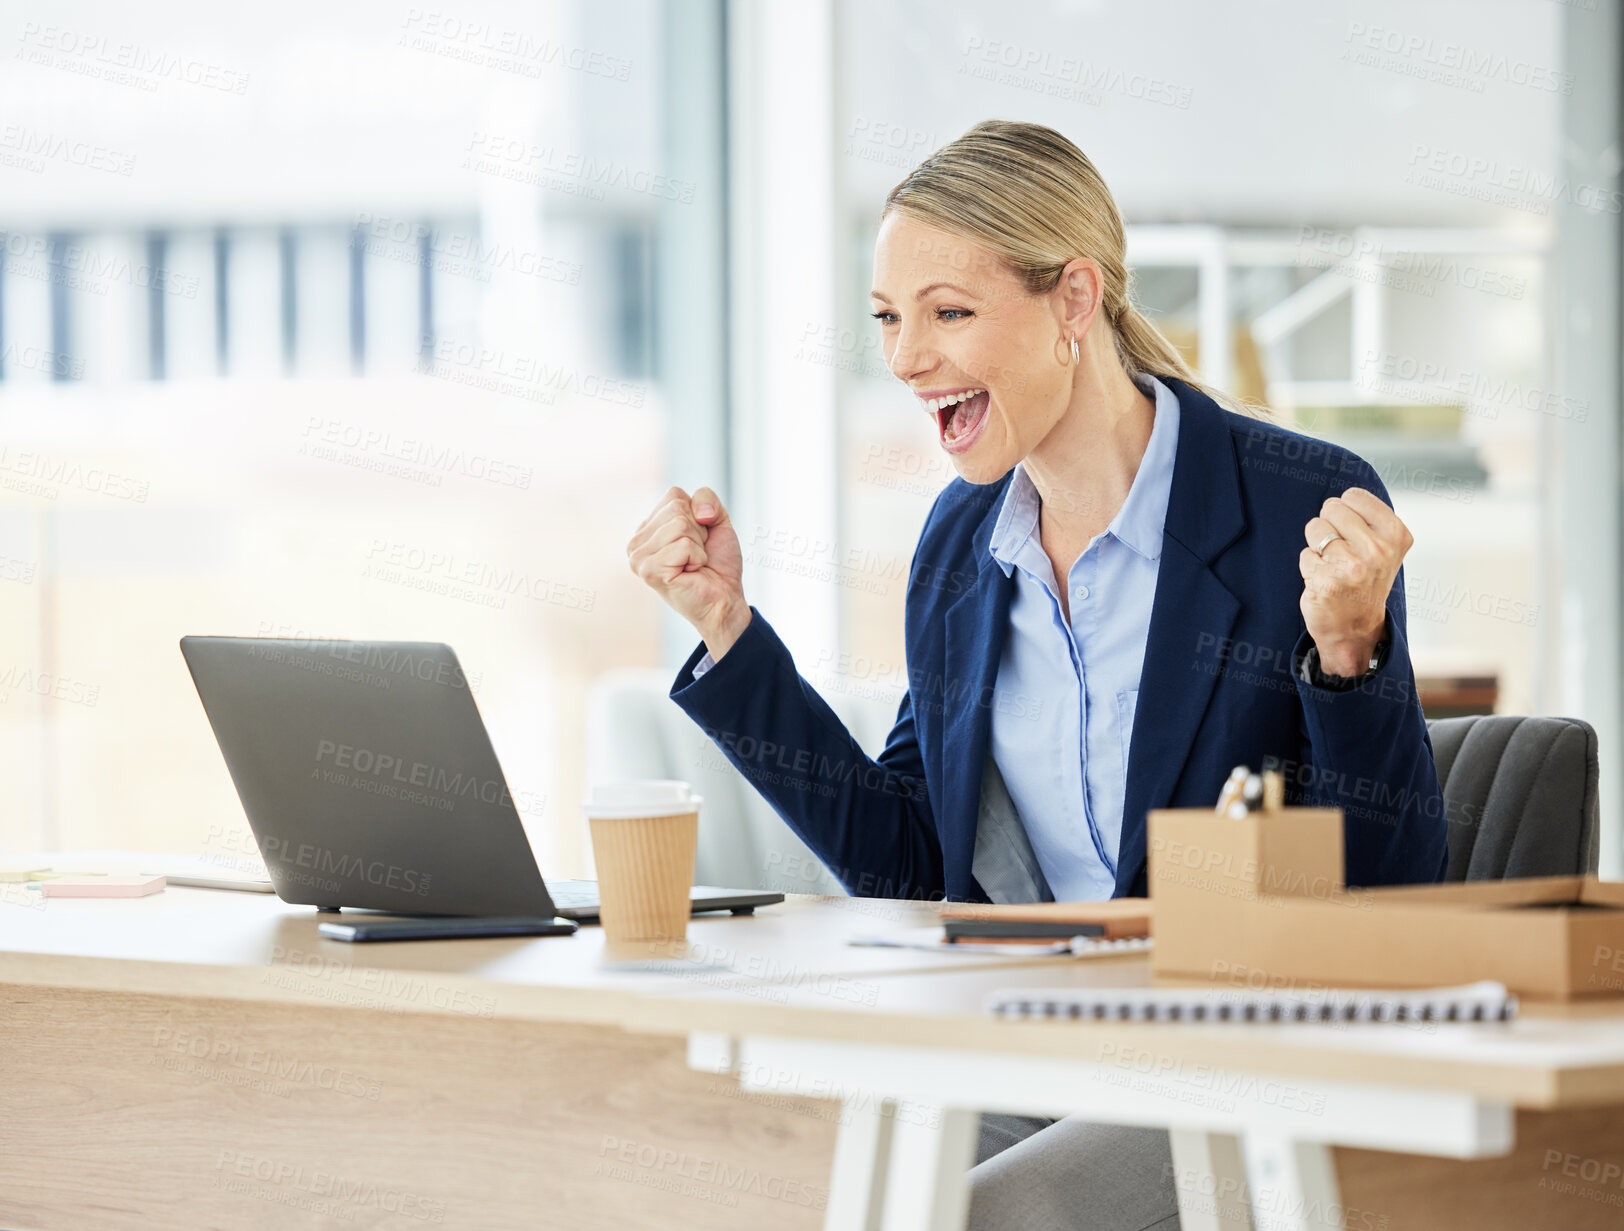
x=1346, y=582
x=688, y=553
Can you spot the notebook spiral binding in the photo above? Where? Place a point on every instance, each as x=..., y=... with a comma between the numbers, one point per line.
x=1484, y=1002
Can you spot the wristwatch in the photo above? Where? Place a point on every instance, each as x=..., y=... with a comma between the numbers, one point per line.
x=1311, y=674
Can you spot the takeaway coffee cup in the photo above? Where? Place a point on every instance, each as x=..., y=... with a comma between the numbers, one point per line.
x=644, y=835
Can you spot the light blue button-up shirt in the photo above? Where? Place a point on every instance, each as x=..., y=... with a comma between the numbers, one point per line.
x=1068, y=773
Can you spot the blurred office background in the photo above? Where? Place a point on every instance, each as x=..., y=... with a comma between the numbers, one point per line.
x=387, y=321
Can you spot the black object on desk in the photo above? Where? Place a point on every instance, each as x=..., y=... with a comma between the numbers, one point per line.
x=445, y=928
x=1016, y=929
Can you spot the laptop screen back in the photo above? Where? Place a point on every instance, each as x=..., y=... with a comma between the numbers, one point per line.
x=367, y=775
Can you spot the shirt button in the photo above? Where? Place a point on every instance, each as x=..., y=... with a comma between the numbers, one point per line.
x=1079, y=593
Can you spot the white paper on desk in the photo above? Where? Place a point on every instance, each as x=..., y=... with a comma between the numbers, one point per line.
x=931, y=938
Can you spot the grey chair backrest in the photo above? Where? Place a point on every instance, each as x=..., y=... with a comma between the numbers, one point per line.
x=1520, y=794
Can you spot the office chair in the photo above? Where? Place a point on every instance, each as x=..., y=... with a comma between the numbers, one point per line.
x=1520, y=794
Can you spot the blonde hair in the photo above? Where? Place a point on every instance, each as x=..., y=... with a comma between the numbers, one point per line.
x=1033, y=199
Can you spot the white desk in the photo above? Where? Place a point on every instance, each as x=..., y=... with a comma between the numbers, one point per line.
x=1254, y=1107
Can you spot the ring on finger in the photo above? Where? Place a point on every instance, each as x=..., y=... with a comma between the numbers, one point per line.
x=1326, y=542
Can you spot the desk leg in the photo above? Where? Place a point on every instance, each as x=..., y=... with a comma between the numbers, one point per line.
x=932, y=1151
x=1209, y=1177
x=862, y=1156
x=1292, y=1183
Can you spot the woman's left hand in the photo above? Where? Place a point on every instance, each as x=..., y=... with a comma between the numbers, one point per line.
x=1345, y=588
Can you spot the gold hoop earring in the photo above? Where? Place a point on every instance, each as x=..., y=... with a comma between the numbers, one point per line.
x=1076, y=353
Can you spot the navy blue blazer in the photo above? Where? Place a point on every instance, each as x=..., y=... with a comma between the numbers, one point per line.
x=1219, y=687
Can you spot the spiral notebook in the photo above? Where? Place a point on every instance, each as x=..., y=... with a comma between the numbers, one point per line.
x=1472, y=1002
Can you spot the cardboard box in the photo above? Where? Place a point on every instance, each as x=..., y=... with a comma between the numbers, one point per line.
x=1261, y=902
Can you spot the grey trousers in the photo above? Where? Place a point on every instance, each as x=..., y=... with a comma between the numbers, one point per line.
x=1037, y=1174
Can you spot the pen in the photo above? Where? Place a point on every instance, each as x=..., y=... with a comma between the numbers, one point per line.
x=1253, y=793
x=1274, y=790
x=1232, y=789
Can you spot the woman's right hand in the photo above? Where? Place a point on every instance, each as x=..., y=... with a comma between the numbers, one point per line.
x=688, y=553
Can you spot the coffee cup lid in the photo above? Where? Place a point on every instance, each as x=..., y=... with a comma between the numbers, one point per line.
x=643, y=797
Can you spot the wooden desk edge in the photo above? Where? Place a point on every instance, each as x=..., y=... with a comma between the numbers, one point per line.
x=1528, y=1086
x=415, y=991
x=674, y=1012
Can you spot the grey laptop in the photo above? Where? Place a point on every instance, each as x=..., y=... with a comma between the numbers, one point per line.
x=370, y=782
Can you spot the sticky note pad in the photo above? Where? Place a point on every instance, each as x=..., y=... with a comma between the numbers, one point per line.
x=12, y=877
x=102, y=886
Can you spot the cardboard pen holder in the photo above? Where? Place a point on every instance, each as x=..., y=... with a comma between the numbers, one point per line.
x=1209, y=873
x=1261, y=902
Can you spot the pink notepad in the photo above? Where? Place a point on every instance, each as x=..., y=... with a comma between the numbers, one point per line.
x=102, y=886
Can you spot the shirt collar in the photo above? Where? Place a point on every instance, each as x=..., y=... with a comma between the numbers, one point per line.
x=1138, y=523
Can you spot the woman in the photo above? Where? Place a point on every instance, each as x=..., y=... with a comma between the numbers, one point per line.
x=1233, y=594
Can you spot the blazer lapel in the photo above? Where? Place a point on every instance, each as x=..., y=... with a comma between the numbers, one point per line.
x=1192, y=616
x=975, y=627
